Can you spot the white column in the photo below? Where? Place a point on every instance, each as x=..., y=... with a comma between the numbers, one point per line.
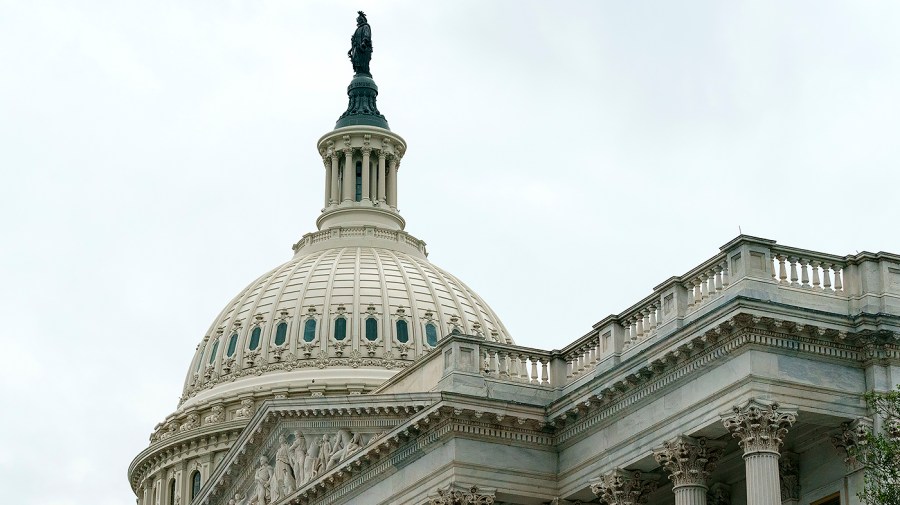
x=382, y=175
x=366, y=151
x=327, y=161
x=689, y=462
x=392, y=183
x=349, y=189
x=760, y=430
x=335, y=160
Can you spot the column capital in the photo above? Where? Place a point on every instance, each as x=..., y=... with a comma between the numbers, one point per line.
x=688, y=460
x=453, y=495
x=620, y=487
x=759, y=427
x=850, y=437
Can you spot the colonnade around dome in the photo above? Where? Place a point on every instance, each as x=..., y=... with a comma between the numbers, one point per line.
x=738, y=382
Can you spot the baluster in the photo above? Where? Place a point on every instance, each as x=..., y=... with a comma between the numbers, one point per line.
x=804, y=277
x=793, y=262
x=545, y=380
x=826, y=277
x=535, y=379
x=689, y=288
x=523, y=375
x=815, y=275
x=504, y=364
x=514, y=367
x=645, y=320
x=486, y=363
x=639, y=324
x=838, y=282
x=711, y=283
x=697, y=294
x=718, y=274
x=595, y=350
x=782, y=269
x=495, y=365
x=726, y=280
x=704, y=290
x=653, y=309
x=568, y=369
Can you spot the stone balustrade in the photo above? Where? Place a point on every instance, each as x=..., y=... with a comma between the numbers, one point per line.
x=808, y=270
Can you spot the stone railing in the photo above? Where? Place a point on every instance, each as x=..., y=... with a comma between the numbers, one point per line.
x=348, y=232
x=747, y=268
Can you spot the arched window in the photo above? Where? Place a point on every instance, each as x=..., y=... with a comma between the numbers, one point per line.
x=431, y=334
x=195, y=484
x=372, y=329
x=358, y=181
x=280, y=333
x=254, y=338
x=309, y=330
x=232, y=345
x=215, y=349
x=402, y=331
x=340, y=328
x=172, y=491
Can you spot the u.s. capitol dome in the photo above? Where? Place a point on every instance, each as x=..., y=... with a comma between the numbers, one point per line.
x=358, y=302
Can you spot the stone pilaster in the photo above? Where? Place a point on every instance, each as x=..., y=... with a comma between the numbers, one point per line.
x=760, y=430
x=621, y=487
x=789, y=472
x=689, y=462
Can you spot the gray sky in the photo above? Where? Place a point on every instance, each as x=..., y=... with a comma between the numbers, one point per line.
x=564, y=158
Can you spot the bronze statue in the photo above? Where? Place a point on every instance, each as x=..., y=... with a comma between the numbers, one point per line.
x=360, y=52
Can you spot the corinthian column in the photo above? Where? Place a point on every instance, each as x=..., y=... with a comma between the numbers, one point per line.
x=624, y=488
x=760, y=430
x=366, y=171
x=689, y=462
x=349, y=189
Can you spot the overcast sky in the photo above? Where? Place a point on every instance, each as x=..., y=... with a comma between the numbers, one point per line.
x=564, y=158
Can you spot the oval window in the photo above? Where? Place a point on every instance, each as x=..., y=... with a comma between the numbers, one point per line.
x=309, y=330
x=402, y=332
x=371, y=329
x=431, y=337
x=254, y=338
x=215, y=349
x=280, y=333
x=232, y=345
x=340, y=328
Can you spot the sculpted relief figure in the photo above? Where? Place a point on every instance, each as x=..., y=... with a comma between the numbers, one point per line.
x=298, y=459
x=262, y=478
x=312, y=458
x=283, y=478
x=360, y=52
x=246, y=409
x=218, y=414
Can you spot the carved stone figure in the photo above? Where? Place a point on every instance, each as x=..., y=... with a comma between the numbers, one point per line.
x=325, y=454
x=217, y=415
x=246, y=409
x=283, y=480
x=192, y=421
x=312, y=458
x=298, y=458
x=360, y=52
x=262, y=477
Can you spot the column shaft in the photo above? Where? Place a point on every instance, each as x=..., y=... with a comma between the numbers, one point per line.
x=327, y=182
x=392, y=184
x=382, y=174
x=349, y=175
x=365, y=175
x=334, y=179
x=690, y=495
x=763, y=487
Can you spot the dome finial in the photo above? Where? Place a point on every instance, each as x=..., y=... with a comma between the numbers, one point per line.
x=362, y=90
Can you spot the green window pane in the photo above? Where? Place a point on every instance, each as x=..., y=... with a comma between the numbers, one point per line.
x=371, y=329
x=340, y=328
x=402, y=332
x=358, y=181
x=254, y=338
x=232, y=345
x=215, y=349
x=431, y=334
x=309, y=330
x=195, y=484
x=280, y=333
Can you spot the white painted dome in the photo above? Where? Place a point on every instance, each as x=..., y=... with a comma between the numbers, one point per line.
x=283, y=331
